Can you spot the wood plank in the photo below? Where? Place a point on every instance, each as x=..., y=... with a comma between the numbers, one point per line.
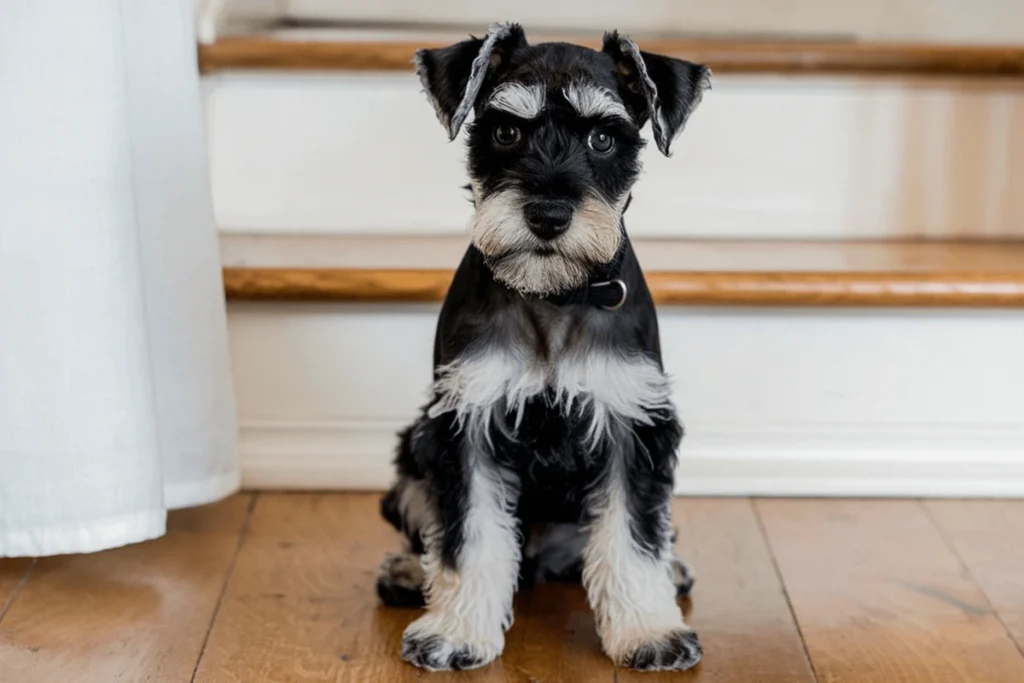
x=947, y=290
x=301, y=284
x=13, y=572
x=988, y=535
x=738, y=605
x=685, y=272
x=301, y=604
x=723, y=56
x=301, y=597
x=973, y=290
x=138, y=613
x=880, y=597
x=288, y=639
x=311, y=558
x=325, y=545
x=558, y=640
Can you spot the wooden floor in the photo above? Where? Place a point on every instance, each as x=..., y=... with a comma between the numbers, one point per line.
x=278, y=588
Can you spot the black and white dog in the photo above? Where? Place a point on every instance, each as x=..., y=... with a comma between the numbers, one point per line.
x=548, y=446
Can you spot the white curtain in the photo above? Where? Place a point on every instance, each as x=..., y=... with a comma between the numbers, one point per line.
x=116, y=400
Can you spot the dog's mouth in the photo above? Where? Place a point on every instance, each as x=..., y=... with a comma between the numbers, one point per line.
x=542, y=250
x=540, y=269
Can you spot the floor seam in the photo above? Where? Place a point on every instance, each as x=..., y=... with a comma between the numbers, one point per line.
x=229, y=572
x=951, y=546
x=17, y=589
x=782, y=584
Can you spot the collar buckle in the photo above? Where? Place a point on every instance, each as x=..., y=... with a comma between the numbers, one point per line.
x=622, y=287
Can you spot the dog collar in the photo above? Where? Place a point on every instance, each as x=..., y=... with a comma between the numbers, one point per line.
x=609, y=295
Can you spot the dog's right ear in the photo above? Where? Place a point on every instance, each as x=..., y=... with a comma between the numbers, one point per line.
x=452, y=76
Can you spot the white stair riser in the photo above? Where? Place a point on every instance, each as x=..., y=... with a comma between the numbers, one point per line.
x=776, y=401
x=762, y=158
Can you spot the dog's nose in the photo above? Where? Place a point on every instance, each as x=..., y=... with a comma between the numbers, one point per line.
x=547, y=219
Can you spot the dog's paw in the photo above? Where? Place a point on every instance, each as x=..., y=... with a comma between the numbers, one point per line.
x=434, y=653
x=424, y=647
x=400, y=582
x=682, y=577
x=675, y=651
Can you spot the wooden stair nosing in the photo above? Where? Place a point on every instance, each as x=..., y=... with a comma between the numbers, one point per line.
x=753, y=288
x=723, y=56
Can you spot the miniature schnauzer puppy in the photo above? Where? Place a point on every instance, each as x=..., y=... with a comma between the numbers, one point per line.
x=548, y=446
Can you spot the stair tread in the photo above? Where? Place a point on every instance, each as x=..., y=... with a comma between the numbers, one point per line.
x=383, y=50
x=826, y=273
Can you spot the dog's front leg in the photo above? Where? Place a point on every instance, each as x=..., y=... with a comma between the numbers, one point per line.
x=628, y=563
x=471, y=565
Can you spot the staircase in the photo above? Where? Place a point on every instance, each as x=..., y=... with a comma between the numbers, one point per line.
x=837, y=246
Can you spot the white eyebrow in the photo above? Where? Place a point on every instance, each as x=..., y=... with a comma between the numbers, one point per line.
x=592, y=100
x=524, y=101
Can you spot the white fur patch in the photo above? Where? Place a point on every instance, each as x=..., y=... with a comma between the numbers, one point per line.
x=414, y=505
x=614, y=388
x=499, y=230
x=633, y=595
x=592, y=101
x=471, y=606
x=524, y=101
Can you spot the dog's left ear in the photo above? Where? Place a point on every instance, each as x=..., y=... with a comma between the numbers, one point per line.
x=665, y=89
x=453, y=76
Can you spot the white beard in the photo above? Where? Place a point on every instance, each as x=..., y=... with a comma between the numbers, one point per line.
x=499, y=230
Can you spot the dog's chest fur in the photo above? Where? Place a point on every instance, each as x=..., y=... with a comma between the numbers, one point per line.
x=540, y=391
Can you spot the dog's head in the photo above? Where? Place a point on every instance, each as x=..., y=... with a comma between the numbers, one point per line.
x=555, y=142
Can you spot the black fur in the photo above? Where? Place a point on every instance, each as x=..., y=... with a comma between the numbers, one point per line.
x=678, y=86
x=677, y=651
x=542, y=451
x=553, y=159
x=445, y=72
x=425, y=653
x=547, y=457
x=395, y=595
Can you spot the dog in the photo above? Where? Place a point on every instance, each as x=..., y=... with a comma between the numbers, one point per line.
x=547, y=448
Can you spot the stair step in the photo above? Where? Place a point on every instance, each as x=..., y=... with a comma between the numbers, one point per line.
x=763, y=158
x=353, y=51
x=681, y=272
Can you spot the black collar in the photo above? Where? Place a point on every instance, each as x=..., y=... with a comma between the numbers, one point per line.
x=610, y=295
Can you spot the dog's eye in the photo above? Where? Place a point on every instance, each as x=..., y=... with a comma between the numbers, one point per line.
x=506, y=135
x=601, y=143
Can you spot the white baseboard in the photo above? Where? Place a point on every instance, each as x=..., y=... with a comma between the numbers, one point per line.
x=775, y=401
x=880, y=461
x=343, y=455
